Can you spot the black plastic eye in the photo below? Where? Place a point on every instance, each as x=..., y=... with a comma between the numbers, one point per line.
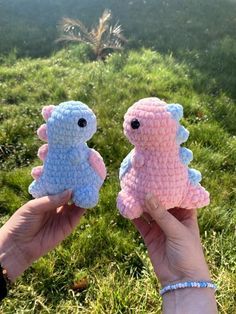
x=135, y=124
x=82, y=123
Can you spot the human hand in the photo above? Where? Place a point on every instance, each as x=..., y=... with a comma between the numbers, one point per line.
x=173, y=242
x=34, y=229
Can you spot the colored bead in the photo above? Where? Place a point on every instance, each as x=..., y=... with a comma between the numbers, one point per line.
x=188, y=284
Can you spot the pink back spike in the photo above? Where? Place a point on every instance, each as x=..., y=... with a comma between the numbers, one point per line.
x=42, y=152
x=37, y=172
x=42, y=132
x=47, y=111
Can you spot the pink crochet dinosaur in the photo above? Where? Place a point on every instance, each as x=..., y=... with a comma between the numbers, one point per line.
x=157, y=164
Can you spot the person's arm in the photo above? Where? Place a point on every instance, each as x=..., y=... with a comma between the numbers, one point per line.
x=34, y=229
x=173, y=242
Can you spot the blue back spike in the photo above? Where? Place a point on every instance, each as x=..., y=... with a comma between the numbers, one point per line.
x=194, y=176
x=125, y=165
x=186, y=155
x=182, y=135
x=176, y=111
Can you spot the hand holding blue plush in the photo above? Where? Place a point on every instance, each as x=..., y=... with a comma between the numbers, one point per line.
x=68, y=162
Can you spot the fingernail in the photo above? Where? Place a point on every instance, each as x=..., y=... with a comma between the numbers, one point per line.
x=148, y=196
x=152, y=201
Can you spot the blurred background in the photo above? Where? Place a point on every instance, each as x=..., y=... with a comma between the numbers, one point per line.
x=203, y=33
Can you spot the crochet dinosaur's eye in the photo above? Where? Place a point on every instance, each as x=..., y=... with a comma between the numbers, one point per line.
x=82, y=123
x=135, y=124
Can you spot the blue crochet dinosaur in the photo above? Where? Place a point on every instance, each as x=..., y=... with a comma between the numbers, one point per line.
x=68, y=162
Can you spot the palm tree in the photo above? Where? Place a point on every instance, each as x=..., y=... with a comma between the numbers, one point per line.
x=103, y=38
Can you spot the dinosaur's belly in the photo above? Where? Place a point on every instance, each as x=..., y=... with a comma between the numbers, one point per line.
x=167, y=181
x=58, y=176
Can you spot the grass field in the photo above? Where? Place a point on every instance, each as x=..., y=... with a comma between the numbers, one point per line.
x=105, y=248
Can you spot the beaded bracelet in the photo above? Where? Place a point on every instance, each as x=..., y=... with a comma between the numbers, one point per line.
x=188, y=284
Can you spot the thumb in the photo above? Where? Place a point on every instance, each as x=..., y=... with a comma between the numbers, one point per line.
x=171, y=226
x=50, y=202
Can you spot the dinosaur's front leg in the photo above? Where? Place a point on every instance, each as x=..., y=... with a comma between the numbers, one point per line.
x=77, y=156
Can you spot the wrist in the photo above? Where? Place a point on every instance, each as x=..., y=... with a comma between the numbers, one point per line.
x=190, y=300
x=11, y=257
x=198, y=273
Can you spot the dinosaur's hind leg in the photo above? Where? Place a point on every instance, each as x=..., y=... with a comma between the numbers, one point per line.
x=85, y=197
x=196, y=197
x=128, y=205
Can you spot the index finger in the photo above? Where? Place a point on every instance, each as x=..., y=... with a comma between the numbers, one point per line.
x=170, y=225
x=47, y=203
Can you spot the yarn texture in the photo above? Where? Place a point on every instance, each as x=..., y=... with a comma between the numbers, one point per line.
x=157, y=164
x=68, y=162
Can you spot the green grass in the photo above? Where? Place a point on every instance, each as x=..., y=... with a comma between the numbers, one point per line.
x=105, y=248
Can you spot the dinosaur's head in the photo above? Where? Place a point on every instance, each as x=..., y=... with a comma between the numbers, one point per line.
x=70, y=122
x=151, y=122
